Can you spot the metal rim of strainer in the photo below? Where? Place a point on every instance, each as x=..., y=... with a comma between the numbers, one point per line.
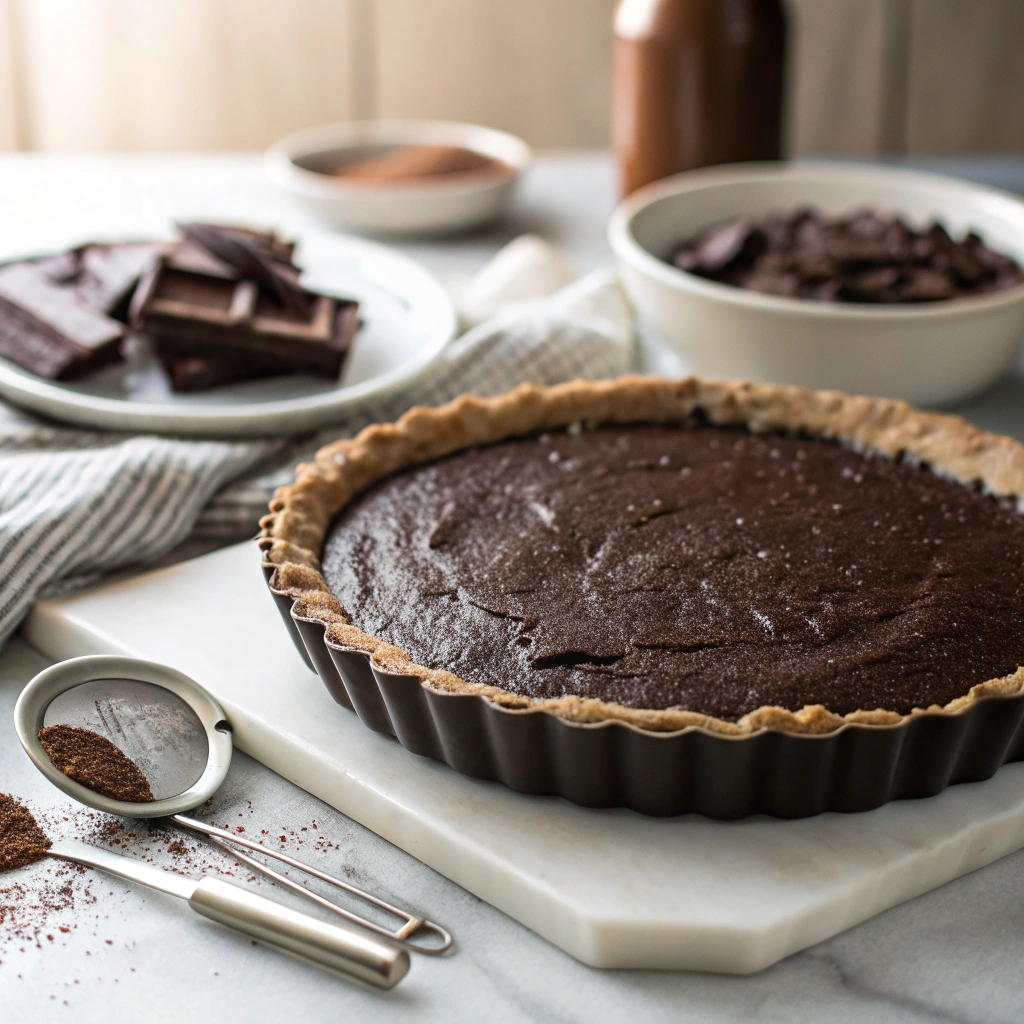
x=31, y=708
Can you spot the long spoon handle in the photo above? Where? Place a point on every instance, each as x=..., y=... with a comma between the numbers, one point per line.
x=335, y=947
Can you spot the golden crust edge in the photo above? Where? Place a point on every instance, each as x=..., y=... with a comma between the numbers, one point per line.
x=292, y=533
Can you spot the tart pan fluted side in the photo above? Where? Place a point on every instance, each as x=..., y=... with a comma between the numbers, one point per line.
x=615, y=764
x=663, y=762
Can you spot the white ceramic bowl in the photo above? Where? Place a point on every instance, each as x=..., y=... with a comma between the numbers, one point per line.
x=413, y=208
x=933, y=353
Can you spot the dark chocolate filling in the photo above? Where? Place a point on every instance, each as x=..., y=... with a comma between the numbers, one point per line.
x=706, y=569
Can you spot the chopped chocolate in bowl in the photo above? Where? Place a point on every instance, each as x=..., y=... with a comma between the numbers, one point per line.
x=22, y=841
x=96, y=763
x=863, y=257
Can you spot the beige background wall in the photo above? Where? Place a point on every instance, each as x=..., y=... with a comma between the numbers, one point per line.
x=867, y=76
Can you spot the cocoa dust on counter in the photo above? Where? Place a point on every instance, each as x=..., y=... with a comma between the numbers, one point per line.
x=22, y=841
x=46, y=906
x=96, y=763
x=61, y=904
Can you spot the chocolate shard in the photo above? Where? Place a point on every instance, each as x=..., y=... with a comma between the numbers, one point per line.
x=965, y=265
x=48, y=328
x=252, y=261
x=926, y=285
x=873, y=285
x=897, y=242
x=200, y=373
x=812, y=264
x=772, y=283
x=723, y=244
x=865, y=256
x=187, y=254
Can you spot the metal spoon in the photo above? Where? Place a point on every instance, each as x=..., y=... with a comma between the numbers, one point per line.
x=341, y=950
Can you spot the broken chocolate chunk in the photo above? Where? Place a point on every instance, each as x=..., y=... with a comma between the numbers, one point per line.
x=200, y=373
x=253, y=261
x=866, y=256
x=221, y=304
x=108, y=274
x=192, y=315
x=48, y=327
x=719, y=247
x=103, y=276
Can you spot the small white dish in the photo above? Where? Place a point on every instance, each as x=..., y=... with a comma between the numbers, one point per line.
x=407, y=318
x=929, y=353
x=451, y=203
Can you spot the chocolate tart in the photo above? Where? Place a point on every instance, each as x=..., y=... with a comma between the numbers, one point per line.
x=672, y=596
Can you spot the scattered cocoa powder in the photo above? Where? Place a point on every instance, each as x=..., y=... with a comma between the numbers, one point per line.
x=47, y=905
x=22, y=841
x=96, y=763
x=64, y=904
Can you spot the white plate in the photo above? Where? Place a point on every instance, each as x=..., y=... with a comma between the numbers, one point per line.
x=407, y=320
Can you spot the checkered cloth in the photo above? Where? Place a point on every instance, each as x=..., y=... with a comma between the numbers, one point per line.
x=76, y=504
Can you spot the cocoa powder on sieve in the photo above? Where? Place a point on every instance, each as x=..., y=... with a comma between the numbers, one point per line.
x=96, y=763
x=22, y=841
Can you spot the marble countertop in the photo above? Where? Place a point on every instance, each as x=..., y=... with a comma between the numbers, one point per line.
x=952, y=955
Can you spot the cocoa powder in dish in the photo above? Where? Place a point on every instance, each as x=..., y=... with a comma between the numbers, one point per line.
x=416, y=164
x=96, y=763
x=22, y=841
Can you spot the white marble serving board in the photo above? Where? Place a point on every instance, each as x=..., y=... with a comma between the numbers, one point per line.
x=613, y=888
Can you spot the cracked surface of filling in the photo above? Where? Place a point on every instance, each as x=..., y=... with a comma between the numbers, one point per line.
x=707, y=569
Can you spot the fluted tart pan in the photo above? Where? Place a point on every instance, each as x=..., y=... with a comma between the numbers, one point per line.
x=772, y=761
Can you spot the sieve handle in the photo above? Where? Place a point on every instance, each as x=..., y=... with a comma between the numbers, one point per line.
x=336, y=948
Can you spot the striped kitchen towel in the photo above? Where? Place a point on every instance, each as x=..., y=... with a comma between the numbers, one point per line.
x=77, y=504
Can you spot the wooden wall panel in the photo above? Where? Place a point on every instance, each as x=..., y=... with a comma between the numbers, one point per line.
x=867, y=76
x=840, y=90
x=966, y=78
x=540, y=68
x=182, y=74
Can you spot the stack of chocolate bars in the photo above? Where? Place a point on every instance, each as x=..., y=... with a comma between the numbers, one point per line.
x=220, y=305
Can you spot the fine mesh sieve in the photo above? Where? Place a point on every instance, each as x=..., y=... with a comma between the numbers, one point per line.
x=179, y=737
x=150, y=724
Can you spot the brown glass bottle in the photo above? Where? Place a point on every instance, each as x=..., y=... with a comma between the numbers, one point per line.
x=696, y=82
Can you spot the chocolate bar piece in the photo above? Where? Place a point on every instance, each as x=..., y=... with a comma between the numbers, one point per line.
x=49, y=328
x=199, y=304
x=200, y=373
x=103, y=276
x=224, y=304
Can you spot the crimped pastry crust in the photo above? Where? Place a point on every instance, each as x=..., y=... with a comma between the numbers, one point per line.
x=293, y=533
